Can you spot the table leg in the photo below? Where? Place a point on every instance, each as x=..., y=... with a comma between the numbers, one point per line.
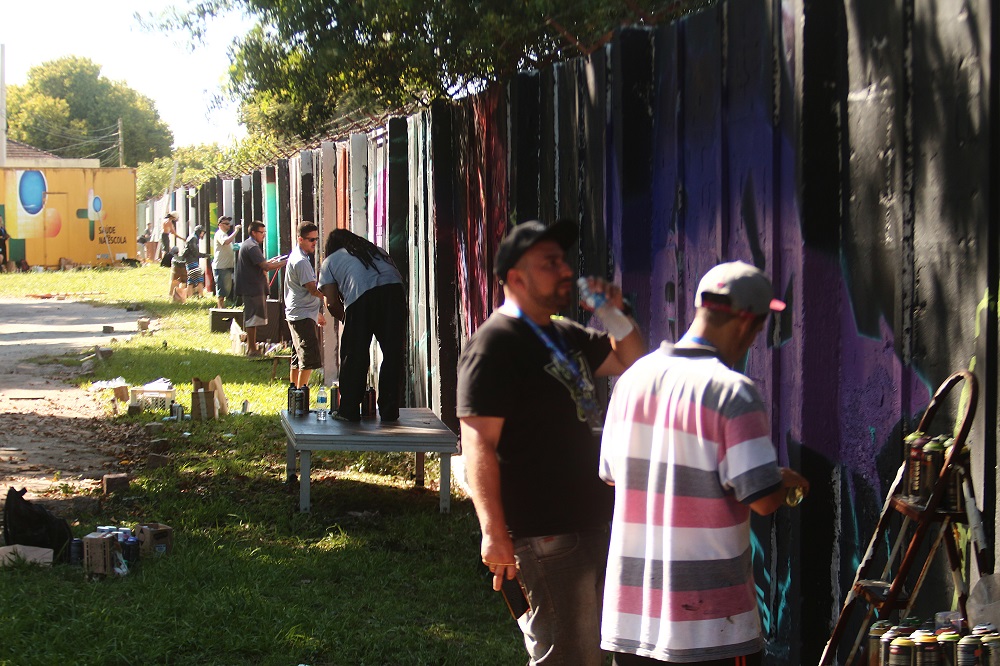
x=445, y=485
x=419, y=481
x=304, y=473
x=290, y=463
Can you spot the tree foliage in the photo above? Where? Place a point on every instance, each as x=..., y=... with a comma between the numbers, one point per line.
x=307, y=64
x=68, y=108
x=195, y=165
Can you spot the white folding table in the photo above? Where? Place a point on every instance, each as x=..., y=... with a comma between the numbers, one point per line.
x=418, y=430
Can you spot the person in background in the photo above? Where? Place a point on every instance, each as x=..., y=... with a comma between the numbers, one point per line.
x=146, y=247
x=192, y=257
x=364, y=290
x=178, y=275
x=4, y=237
x=169, y=229
x=687, y=448
x=303, y=306
x=250, y=282
x=224, y=262
x=528, y=407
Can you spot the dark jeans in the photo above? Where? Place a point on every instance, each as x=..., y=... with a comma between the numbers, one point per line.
x=635, y=660
x=380, y=312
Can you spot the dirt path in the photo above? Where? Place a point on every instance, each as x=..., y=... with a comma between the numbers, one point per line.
x=52, y=439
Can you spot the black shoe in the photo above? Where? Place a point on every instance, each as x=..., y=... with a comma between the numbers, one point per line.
x=388, y=417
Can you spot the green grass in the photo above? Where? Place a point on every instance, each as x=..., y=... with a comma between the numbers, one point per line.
x=374, y=575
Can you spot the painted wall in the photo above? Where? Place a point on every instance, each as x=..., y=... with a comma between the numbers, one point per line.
x=848, y=149
x=85, y=215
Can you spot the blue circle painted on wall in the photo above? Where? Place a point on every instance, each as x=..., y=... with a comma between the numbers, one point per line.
x=98, y=204
x=31, y=191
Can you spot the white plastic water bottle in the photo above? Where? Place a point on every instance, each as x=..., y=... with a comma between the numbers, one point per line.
x=321, y=410
x=593, y=300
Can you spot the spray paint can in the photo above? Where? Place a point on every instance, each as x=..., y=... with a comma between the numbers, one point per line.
x=305, y=400
x=984, y=629
x=291, y=399
x=969, y=649
x=884, y=643
x=76, y=551
x=915, y=451
x=949, y=647
x=875, y=634
x=368, y=402
x=298, y=403
x=990, y=654
x=933, y=461
x=954, y=499
x=901, y=652
x=926, y=651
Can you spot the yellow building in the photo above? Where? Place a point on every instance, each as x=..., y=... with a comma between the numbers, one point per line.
x=55, y=209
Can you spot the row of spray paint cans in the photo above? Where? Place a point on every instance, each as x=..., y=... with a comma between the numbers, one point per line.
x=925, y=458
x=909, y=644
x=299, y=405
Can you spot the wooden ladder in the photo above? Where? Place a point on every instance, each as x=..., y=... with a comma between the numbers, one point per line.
x=885, y=594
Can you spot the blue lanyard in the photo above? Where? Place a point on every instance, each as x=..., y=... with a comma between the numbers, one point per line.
x=583, y=390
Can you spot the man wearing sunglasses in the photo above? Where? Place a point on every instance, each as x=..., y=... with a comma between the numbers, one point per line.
x=303, y=303
x=251, y=282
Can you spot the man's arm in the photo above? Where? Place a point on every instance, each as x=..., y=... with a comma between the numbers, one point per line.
x=626, y=348
x=623, y=354
x=334, y=301
x=768, y=504
x=480, y=437
x=272, y=264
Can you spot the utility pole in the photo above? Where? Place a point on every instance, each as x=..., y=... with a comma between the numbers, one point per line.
x=3, y=108
x=121, y=145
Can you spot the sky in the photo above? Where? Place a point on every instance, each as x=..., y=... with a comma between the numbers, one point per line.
x=181, y=82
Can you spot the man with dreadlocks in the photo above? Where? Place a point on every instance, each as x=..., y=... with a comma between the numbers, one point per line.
x=364, y=289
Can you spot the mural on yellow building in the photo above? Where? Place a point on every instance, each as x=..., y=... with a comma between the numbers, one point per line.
x=84, y=215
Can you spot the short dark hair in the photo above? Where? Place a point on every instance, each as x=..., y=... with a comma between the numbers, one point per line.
x=307, y=227
x=256, y=225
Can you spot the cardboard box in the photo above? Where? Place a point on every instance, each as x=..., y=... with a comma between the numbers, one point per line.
x=12, y=554
x=203, y=405
x=223, y=318
x=154, y=538
x=99, y=553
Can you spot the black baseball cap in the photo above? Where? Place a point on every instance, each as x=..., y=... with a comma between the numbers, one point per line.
x=525, y=235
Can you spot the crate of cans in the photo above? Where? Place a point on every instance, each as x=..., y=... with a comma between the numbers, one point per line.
x=157, y=400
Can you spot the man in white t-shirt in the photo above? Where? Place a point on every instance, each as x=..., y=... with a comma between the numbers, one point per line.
x=303, y=306
x=225, y=259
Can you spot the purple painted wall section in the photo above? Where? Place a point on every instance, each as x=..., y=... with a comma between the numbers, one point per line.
x=848, y=149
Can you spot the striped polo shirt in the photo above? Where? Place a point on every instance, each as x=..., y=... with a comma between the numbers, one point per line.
x=687, y=446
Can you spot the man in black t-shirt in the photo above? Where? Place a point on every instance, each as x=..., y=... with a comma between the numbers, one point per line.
x=527, y=406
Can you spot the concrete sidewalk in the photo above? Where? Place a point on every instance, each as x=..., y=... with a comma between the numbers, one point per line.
x=32, y=327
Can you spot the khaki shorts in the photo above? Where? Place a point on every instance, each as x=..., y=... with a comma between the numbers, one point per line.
x=178, y=272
